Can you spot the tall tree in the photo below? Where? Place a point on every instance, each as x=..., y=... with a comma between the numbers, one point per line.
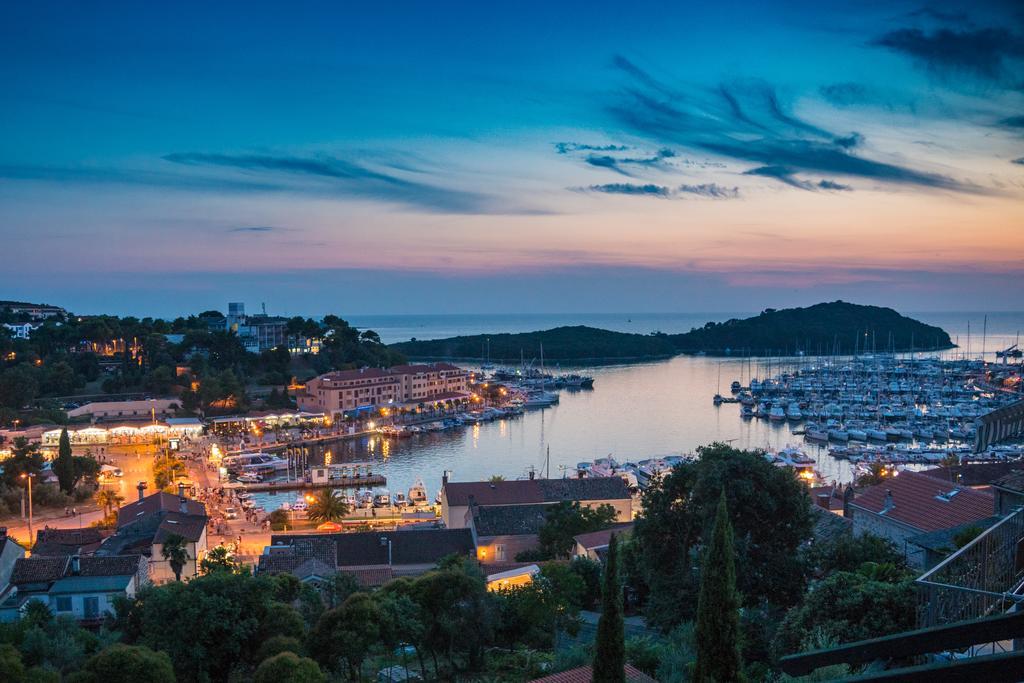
x=610, y=648
x=108, y=499
x=175, y=551
x=64, y=465
x=717, y=632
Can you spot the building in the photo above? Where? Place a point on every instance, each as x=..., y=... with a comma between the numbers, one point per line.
x=501, y=532
x=979, y=475
x=10, y=552
x=99, y=411
x=258, y=333
x=458, y=497
x=1009, y=492
x=912, y=504
x=65, y=542
x=145, y=525
x=585, y=674
x=83, y=587
x=33, y=311
x=373, y=557
x=367, y=388
x=22, y=330
x=594, y=545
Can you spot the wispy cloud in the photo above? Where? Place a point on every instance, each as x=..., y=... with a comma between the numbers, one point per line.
x=1018, y=161
x=258, y=229
x=1012, y=122
x=619, y=164
x=709, y=190
x=788, y=176
x=749, y=123
x=982, y=53
x=568, y=147
x=346, y=177
x=648, y=190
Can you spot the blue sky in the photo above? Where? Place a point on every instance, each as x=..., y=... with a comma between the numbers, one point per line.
x=463, y=157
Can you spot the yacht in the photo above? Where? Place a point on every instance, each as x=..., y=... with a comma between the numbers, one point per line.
x=400, y=501
x=418, y=493
x=777, y=414
x=382, y=499
x=540, y=399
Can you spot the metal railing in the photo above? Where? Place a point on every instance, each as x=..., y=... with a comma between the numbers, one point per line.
x=983, y=578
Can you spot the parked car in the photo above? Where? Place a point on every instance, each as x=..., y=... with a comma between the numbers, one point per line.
x=230, y=513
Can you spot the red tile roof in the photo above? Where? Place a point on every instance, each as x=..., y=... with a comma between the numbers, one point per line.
x=158, y=502
x=598, y=539
x=585, y=674
x=925, y=503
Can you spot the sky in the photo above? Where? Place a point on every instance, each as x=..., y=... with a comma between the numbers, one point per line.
x=468, y=157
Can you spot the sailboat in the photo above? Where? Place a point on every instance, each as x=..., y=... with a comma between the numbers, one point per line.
x=542, y=398
x=487, y=364
x=718, y=390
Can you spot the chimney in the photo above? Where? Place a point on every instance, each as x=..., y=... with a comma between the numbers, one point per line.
x=3, y=532
x=76, y=565
x=579, y=474
x=142, y=489
x=889, y=504
x=531, y=475
x=444, y=477
x=848, y=495
x=182, y=500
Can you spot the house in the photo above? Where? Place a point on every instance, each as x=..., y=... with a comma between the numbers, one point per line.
x=353, y=390
x=144, y=526
x=22, y=330
x=1009, y=492
x=935, y=546
x=125, y=410
x=501, y=532
x=512, y=577
x=979, y=475
x=372, y=557
x=10, y=552
x=594, y=545
x=65, y=542
x=457, y=497
x=585, y=674
x=84, y=587
x=912, y=504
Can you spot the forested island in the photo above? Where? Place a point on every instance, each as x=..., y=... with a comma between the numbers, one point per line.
x=835, y=328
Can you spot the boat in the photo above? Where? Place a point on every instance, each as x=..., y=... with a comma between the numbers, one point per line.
x=263, y=461
x=249, y=478
x=418, y=493
x=399, y=500
x=777, y=414
x=540, y=399
x=382, y=499
x=735, y=387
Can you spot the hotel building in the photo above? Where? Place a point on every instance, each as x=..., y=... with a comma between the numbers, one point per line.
x=346, y=390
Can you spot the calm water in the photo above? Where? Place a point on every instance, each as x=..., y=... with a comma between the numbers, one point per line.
x=633, y=412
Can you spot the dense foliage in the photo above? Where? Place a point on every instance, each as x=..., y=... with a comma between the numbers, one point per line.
x=200, y=362
x=770, y=515
x=610, y=647
x=563, y=521
x=823, y=329
x=578, y=343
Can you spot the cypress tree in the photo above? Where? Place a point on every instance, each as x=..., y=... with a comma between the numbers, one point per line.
x=610, y=647
x=64, y=465
x=717, y=633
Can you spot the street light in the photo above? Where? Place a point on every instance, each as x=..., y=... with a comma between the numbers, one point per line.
x=29, y=476
x=386, y=541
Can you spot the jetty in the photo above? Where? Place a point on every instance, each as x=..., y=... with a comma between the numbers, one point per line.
x=369, y=481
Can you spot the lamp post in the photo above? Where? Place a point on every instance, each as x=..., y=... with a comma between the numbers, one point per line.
x=29, y=477
x=384, y=540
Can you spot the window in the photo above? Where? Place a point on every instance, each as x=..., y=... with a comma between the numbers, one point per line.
x=91, y=607
x=64, y=604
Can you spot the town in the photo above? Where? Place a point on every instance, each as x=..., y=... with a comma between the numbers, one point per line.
x=163, y=489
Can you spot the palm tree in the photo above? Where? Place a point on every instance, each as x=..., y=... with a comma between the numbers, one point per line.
x=175, y=551
x=328, y=506
x=108, y=499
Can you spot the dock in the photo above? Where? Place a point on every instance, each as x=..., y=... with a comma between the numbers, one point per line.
x=370, y=481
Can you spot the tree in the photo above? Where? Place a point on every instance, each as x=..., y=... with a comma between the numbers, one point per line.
x=771, y=518
x=166, y=468
x=347, y=633
x=717, y=632
x=610, y=646
x=11, y=667
x=175, y=551
x=109, y=500
x=122, y=663
x=288, y=667
x=848, y=552
x=63, y=465
x=328, y=506
x=563, y=521
x=218, y=559
x=846, y=607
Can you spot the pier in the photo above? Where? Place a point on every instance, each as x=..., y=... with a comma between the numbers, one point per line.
x=295, y=485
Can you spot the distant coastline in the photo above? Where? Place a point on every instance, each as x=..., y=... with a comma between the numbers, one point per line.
x=835, y=328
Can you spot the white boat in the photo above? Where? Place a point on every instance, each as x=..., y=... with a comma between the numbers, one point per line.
x=418, y=493
x=399, y=500
x=777, y=414
x=250, y=478
x=540, y=399
x=382, y=499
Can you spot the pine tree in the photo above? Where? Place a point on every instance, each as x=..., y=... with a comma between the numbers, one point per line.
x=610, y=647
x=64, y=465
x=717, y=633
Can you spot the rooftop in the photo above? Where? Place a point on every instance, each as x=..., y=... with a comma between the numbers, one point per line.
x=408, y=547
x=585, y=674
x=509, y=520
x=1014, y=481
x=925, y=503
x=46, y=569
x=600, y=539
x=58, y=542
x=156, y=503
x=975, y=474
x=526, y=491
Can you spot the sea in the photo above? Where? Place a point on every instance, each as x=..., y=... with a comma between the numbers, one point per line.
x=633, y=412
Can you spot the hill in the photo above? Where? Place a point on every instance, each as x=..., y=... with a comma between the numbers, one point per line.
x=823, y=329
x=579, y=344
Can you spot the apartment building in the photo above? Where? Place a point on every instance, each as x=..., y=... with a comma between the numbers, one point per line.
x=347, y=390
